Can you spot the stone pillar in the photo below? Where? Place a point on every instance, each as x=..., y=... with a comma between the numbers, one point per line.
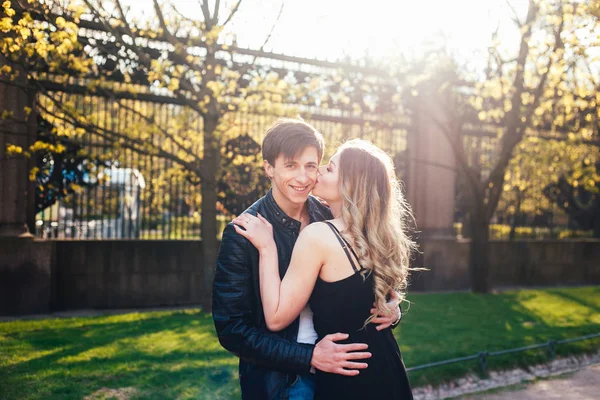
x=431, y=169
x=16, y=192
x=25, y=264
x=430, y=183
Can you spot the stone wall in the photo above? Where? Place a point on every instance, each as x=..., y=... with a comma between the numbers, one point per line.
x=149, y=273
x=119, y=273
x=25, y=275
x=517, y=263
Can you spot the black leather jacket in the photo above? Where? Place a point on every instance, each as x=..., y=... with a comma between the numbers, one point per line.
x=267, y=359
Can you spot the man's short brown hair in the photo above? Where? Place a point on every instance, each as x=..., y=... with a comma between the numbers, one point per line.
x=289, y=136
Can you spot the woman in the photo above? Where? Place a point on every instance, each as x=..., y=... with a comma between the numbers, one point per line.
x=343, y=267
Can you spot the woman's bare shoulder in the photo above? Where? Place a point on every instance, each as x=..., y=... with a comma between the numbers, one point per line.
x=316, y=233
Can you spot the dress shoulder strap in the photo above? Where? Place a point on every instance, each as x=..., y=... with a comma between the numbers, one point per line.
x=345, y=246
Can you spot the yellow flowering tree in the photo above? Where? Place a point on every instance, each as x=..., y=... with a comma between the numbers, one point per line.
x=546, y=87
x=538, y=165
x=107, y=54
x=90, y=43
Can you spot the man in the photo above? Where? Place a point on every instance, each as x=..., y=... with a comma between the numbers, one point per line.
x=277, y=365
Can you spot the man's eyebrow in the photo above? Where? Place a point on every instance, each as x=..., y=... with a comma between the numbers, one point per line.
x=332, y=163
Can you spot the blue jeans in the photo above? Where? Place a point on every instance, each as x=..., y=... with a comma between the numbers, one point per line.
x=303, y=388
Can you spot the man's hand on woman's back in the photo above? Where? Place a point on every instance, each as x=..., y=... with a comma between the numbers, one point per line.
x=335, y=358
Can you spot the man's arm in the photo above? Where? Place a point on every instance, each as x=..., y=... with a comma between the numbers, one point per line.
x=234, y=318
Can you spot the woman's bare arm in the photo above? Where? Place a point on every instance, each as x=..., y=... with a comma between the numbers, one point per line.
x=283, y=300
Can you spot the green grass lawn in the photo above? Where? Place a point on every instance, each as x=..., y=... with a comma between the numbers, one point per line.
x=443, y=326
x=175, y=354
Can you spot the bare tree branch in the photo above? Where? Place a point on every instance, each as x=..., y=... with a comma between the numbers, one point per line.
x=539, y=90
x=21, y=86
x=246, y=67
x=161, y=18
x=136, y=145
x=183, y=17
x=216, y=11
x=451, y=136
x=491, y=54
x=233, y=12
x=516, y=127
x=154, y=123
x=143, y=57
x=273, y=27
x=206, y=12
x=515, y=15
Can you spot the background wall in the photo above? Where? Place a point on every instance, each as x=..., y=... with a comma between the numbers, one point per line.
x=41, y=275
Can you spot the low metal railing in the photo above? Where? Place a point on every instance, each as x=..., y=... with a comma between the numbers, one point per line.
x=483, y=356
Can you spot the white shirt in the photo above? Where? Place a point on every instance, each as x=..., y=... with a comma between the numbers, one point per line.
x=306, y=330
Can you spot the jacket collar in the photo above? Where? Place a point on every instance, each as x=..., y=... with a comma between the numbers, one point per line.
x=281, y=218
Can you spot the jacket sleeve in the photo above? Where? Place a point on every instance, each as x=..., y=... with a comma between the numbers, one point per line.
x=397, y=323
x=234, y=314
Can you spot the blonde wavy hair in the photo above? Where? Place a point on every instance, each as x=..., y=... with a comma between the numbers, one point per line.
x=376, y=213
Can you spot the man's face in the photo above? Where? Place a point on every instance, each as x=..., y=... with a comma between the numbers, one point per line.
x=293, y=179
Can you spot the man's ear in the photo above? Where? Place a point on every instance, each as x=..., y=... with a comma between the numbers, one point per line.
x=268, y=169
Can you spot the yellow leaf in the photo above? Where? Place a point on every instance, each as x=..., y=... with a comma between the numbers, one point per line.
x=12, y=149
x=33, y=173
x=60, y=22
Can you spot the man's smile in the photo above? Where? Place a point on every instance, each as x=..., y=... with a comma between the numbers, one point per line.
x=299, y=189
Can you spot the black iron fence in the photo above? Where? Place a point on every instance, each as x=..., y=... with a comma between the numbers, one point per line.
x=483, y=356
x=95, y=190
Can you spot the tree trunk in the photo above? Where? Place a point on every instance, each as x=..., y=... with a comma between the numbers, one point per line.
x=596, y=225
x=513, y=225
x=479, y=259
x=209, y=210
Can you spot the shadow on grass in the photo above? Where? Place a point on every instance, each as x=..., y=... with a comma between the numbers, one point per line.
x=85, y=359
x=445, y=326
x=177, y=354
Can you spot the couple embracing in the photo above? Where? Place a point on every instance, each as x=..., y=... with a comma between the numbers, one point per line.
x=307, y=294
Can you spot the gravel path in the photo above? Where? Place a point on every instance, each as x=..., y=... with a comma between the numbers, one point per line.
x=588, y=365
x=581, y=385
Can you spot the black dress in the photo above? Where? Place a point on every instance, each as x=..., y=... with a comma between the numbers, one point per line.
x=343, y=306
